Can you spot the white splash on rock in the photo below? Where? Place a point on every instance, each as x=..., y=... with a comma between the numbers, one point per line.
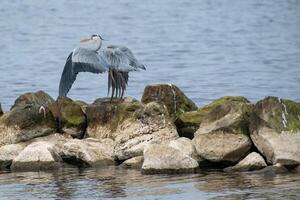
x=284, y=120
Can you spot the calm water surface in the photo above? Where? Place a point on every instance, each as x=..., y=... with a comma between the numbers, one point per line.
x=208, y=48
x=118, y=183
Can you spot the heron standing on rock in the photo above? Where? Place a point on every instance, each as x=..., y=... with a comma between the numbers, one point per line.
x=118, y=61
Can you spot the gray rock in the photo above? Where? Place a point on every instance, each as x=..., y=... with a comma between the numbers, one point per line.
x=131, y=124
x=223, y=132
x=25, y=121
x=88, y=152
x=8, y=153
x=273, y=170
x=159, y=158
x=135, y=162
x=222, y=146
x=253, y=161
x=37, y=156
x=275, y=130
x=186, y=146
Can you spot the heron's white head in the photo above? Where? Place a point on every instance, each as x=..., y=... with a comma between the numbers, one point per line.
x=96, y=37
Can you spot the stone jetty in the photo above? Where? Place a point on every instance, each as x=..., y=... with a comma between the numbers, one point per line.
x=165, y=132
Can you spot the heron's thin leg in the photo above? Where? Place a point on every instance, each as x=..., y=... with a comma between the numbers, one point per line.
x=113, y=83
x=109, y=82
x=123, y=85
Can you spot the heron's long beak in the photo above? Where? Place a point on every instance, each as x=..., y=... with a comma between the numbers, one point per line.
x=85, y=40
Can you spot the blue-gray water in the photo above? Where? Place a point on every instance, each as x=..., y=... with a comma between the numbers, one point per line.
x=208, y=48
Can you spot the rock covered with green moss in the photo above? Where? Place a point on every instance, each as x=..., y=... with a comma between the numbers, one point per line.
x=275, y=130
x=169, y=95
x=223, y=131
x=70, y=116
x=26, y=119
x=130, y=123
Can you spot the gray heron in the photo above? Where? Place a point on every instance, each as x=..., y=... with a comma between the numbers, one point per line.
x=118, y=61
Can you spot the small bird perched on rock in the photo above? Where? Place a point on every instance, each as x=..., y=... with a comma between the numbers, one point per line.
x=118, y=61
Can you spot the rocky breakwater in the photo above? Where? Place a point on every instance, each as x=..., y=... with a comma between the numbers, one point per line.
x=164, y=133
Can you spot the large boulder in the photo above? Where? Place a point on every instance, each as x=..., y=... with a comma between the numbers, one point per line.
x=26, y=119
x=161, y=158
x=131, y=124
x=37, y=156
x=253, y=161
x=223, y=133
x=218, y=111
x=275, y=130
x=88, y=152
x=70, y=115
x=169, y=95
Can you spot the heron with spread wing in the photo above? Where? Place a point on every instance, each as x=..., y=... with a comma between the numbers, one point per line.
x=118, y=61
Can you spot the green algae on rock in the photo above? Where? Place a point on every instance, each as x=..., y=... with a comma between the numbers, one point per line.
x=171, y=96
x=70, y=115
x=187, y=123
x=275, y=130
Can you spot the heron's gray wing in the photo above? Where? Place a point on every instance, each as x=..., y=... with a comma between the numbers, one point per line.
x=127, y=53
x=80, y=60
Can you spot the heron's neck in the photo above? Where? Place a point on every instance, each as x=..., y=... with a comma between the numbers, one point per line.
x=97, y=46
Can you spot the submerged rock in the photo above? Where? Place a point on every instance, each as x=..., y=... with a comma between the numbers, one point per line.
x=253, y=161
x=72, y=119
x=88, y=152
x=37, y=156
x=8, y=153
x=275, y=130
x=160, y=158
x=135, y=162
x=223, y=132
x=169, y=95
x=26, y=120
x=131, y=124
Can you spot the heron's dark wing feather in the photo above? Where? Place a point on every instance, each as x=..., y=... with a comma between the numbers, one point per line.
x=80, y=60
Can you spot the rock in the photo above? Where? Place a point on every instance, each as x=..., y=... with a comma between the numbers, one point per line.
x=89, y=152
x=220, y=113
x=71, y=116
x=186, y=146
x=1, y=111
x=135, y=162
x=39, y=98
x=37, y=156
x=131, y=124
x=169, y=95
x=223, y=132
x=25, y=120
x=8, y=153
x=273, y=170
x=275, y=130
x=160, y=158
x=253, y=161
